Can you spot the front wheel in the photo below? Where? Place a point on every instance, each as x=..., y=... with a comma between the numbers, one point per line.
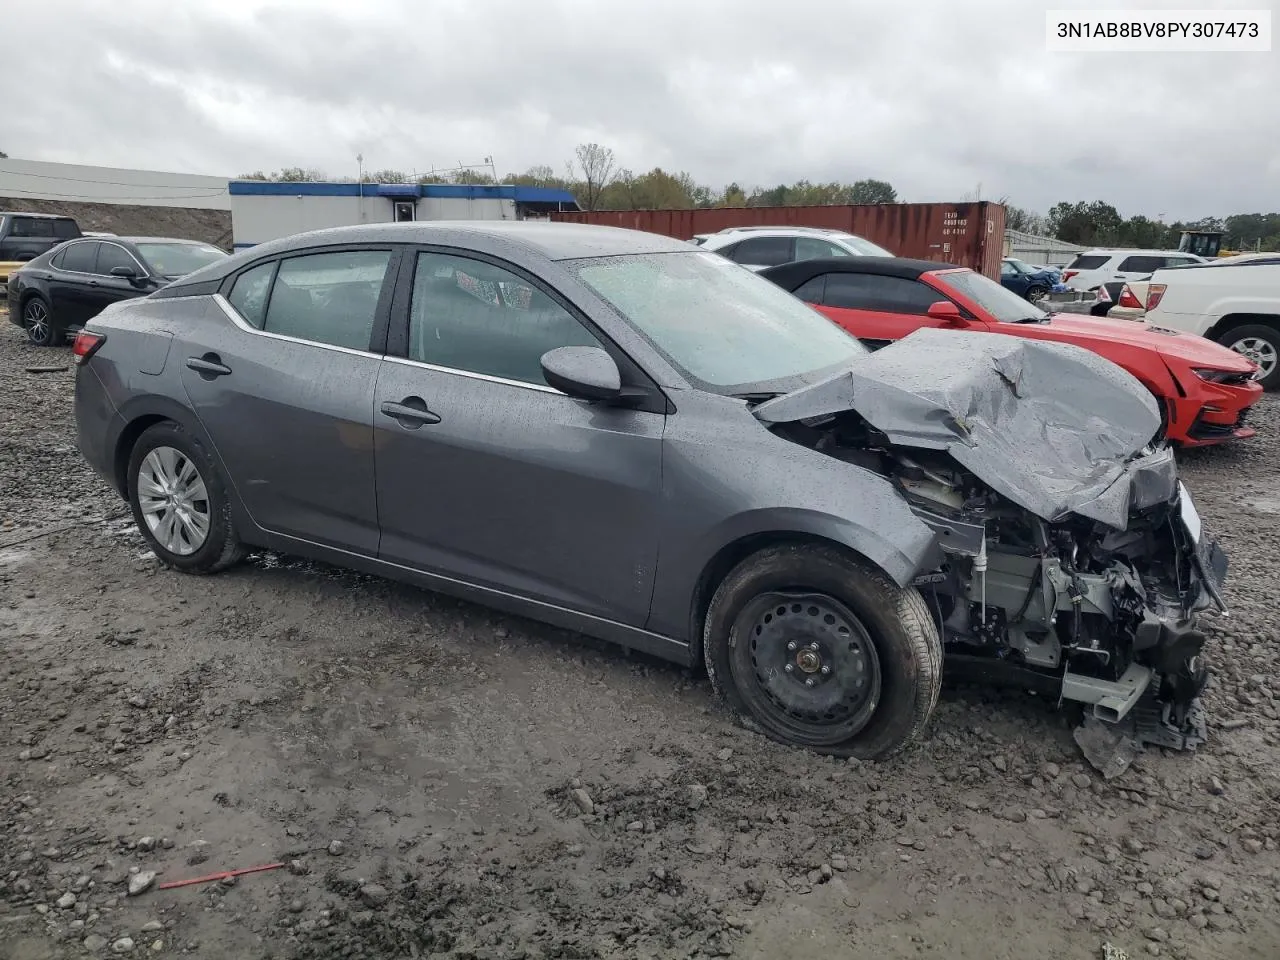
x=1038, y=295
x=1261, y=344
x=180, y=501
x=819, y=650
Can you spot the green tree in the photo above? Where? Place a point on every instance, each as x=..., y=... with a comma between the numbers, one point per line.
x=1088, y=224
x=386, y=176
x=872, y=191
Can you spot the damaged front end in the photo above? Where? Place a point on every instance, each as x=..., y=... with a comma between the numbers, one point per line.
x=1074, y=562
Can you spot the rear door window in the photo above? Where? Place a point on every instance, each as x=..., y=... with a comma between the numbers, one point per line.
x=1141, y=264
x=764, y=251
x=812, y=291
x=80, y=257
x=249, y=293
x=1088, y=263
x=811, y=248
x=32, y=227
x=328, y=297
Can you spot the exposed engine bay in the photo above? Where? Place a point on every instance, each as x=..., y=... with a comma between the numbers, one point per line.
x=1068, y=605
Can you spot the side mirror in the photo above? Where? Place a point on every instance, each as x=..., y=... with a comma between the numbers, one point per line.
x=587, y=373
x=946, y=311
x=128, y=273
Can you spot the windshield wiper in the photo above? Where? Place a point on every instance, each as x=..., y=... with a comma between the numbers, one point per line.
x=1033, y=319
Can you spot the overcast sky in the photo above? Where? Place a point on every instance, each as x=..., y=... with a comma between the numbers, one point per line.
x=935, y=96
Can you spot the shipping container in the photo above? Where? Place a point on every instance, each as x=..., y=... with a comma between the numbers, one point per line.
x=966, y=234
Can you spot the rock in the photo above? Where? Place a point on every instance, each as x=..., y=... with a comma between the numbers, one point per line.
x=826, y=871
x=724, y=754
x=635, y=826
x=1082, y=781
x=123, y=945
x=1251, y=845
x=1203, y=851
x=1051, y=771
x=374, y=895
x=157, y=946
x=337, y=848
x=1216, y=787
x=93, y=943
x=299, y=868
x=697, y=796
x=839, y=863
x=905, y=841
x=152, y=926
x=147, y=844
x=582, y=800
x=296, y=906
x=141, y=882
x=1000, y=764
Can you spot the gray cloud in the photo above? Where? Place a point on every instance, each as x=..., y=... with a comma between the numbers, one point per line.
x=935, y=98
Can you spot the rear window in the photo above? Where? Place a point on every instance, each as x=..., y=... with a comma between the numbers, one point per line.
x=65, y=229
x=1142, y=264
x=1087, y=263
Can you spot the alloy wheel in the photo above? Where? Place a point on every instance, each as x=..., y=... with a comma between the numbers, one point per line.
x=174, y=501
x=1260, y=351
x=35, y=318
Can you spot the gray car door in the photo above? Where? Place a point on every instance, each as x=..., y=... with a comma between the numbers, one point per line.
x=282, y=377
x=486, y=474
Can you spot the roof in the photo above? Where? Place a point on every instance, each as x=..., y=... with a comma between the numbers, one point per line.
x=36, y=216
x=502, y=191
x=541, y=238
x=785, y=228
x=114, y=238
x=792, y=275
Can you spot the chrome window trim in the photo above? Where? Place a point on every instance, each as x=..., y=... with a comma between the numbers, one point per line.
x=234, y=316
x=145, y=274
x=471, y=375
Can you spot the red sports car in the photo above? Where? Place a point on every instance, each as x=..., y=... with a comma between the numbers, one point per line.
x=1204, y=389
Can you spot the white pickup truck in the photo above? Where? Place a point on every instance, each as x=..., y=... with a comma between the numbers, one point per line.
x=1235, y=301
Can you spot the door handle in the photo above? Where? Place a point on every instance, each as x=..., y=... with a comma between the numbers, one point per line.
x=412, y=412
x=93, y=283
x=208, y=366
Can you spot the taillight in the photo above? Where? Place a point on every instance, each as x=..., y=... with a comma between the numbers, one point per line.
x=1068, y=274
x=86, y=345
x=1155, y=293
x=1128, y=299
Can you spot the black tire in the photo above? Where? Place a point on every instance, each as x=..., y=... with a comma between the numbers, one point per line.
x=823, y=596
x=39, y=323
x=221, y=547
x=1258, y=332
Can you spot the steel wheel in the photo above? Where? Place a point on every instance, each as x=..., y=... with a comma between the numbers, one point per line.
x=36, y=321
x=174, y=500
x=814, y=668
x=1260, y=351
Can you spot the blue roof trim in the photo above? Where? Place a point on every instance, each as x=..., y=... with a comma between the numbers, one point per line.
x=269, y=188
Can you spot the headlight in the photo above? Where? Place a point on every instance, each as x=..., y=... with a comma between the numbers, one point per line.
x=1222, y=376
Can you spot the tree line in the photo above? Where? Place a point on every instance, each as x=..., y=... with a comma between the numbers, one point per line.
x=598, y=182
x=1099, y=224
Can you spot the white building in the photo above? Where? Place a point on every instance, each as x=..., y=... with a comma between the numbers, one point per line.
x=77, y=183
x=266, y=210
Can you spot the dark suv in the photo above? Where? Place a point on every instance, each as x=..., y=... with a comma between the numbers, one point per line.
x=24, y=236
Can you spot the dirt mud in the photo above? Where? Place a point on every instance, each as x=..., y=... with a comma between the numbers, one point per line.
x=442, y=781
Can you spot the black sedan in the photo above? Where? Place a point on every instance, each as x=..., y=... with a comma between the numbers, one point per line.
x=59, y=291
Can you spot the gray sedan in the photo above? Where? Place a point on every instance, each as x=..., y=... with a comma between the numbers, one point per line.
x=621, y=434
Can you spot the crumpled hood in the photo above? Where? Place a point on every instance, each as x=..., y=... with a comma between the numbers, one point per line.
x=1051, y=426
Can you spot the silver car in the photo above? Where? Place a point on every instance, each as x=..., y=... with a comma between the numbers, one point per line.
x=624, y=435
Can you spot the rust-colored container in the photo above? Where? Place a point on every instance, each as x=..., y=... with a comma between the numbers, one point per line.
x=966, y=234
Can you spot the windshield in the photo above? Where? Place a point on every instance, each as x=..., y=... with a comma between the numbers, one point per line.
x=1021, y=267
x=723, y=327
x=1004, y=305
x=864, y=247
x=177, y=259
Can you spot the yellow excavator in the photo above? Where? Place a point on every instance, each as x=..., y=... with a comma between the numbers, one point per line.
x=1204, y=243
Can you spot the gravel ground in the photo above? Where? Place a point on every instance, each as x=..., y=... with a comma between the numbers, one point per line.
x=443, y=781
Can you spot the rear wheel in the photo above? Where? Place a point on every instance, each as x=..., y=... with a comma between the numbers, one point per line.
x=180, y=501
x=818, y=650
x=1261, y=344
x=37, y=320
